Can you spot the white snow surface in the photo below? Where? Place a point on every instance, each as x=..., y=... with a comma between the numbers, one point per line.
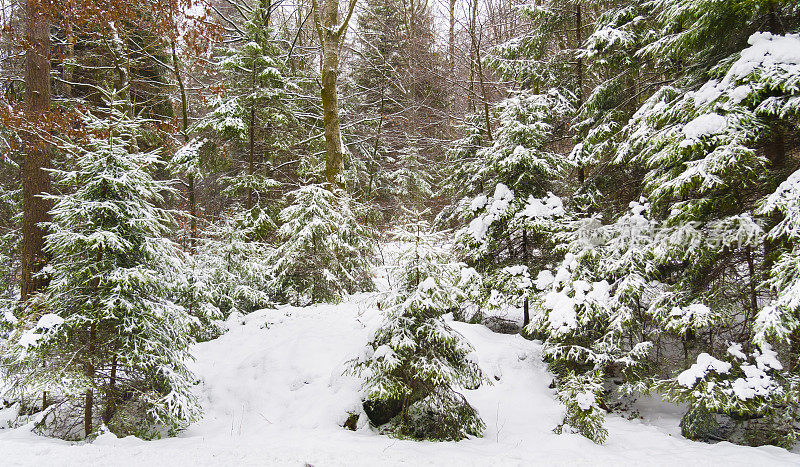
x=273, y=394
x=704, y=125
x=705, y=363
x=496, y=207
x=550, y=206
x=768, y=53
x=49, y=321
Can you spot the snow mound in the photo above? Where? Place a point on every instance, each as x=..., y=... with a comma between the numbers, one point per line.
x=274, y=393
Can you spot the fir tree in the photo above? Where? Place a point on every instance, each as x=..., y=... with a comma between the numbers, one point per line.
x=324, y=251
x=111, y=335
x=415, y=358
x=254, y=119
x=688, y=262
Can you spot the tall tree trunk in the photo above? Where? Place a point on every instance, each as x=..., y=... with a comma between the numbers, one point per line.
x=753, y=298
x=35, y=179
x=773, y=19
x=579, y=74
x=578, y=42
x=185, y=132
x=451, y=42
x=330, y=117
x=87, y=413
x=90, y=360
x=479, y=65
x=69, y=66
x=451, y=63
x=89, y=401
x=794, y=351
x=251, y=144
x=526, y=318
x=331, y=34
x=111, y=396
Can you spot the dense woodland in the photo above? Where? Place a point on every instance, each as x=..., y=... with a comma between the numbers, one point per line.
x=624, y=173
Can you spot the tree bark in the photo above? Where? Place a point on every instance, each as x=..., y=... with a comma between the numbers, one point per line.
x=479, y=65
x=185, y=132
x=35, y=179
x=579, y=75
x=330, y=107
x=331, y=35
x=773, y=19
x=111, y=403
x=251, y=144
x=578, y=41
x=89, y=401
x=451, y=46
x=526, y=318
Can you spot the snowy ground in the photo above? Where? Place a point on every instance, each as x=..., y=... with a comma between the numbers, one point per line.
x=274, y=393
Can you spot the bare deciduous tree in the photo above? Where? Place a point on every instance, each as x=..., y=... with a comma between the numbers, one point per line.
x=331, y=36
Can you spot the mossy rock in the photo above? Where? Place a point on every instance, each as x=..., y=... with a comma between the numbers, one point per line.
x=352, y=421
x=382, y=411
x=501, y=325
x=699, y=424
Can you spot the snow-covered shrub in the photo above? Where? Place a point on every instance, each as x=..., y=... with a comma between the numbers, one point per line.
x=324, y=252
x=580, y=394
x=746, y=387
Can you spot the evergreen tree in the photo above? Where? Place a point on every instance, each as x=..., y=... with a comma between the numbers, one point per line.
x=324, y=251
x=233, y=271
x=687, y=264
x=111, y=333
x=253, y=120
x=520, y=166
x=416, y=361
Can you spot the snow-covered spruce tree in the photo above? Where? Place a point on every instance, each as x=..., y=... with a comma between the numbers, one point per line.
x=253, y=122
x=588, y=309
x=416, y=363
x=779, y=320
x=111, y=346
x=580, y=393
x=233, y=271
x=324, y=252
x=520, y=167
x=524, y=159
x=714, y=147
x=412, y=181
x=618, y=78
x=715, y=154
